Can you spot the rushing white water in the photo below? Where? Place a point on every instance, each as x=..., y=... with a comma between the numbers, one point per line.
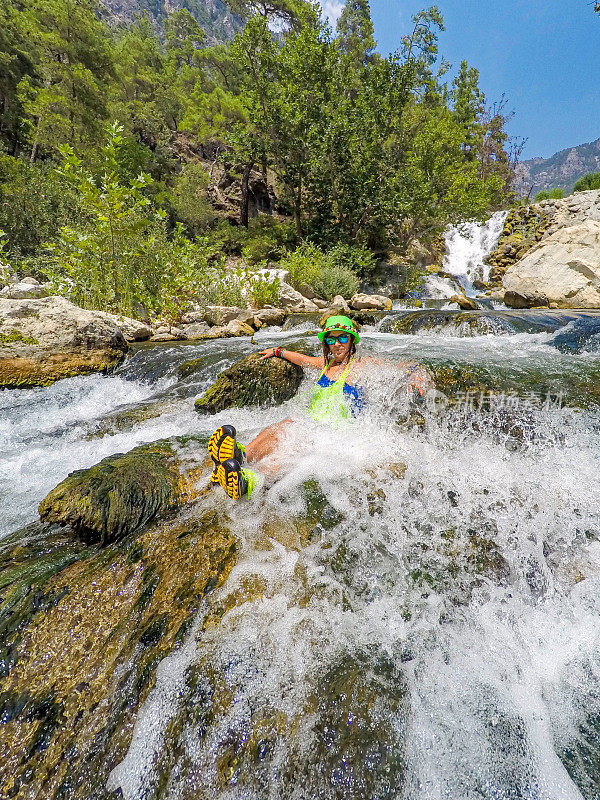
x=381, y=658
x=432, y=633
x=467, y=245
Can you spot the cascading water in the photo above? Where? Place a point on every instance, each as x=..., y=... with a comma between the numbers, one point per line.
x=467, y=245
x=414, y=608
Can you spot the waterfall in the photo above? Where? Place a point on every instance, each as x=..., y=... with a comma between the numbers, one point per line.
x=467, y=245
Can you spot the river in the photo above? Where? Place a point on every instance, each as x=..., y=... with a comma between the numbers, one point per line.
x=437, y=637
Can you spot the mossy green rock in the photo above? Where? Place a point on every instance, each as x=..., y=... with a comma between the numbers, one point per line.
x=122, y=493
x=252, y=381
x=82, y=631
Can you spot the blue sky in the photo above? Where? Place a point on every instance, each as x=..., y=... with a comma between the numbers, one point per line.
x=544, y=55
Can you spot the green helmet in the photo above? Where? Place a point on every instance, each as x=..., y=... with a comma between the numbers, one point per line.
x=339, y=323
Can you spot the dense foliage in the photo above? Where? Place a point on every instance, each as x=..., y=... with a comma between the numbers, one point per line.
x=125, y=158
x=590, y=181
x=549, y=194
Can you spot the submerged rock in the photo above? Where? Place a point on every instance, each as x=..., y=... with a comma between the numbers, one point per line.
x=82, y=632
x=42, y=341
x=252, y=381
x=465, y=303
x=123, y=493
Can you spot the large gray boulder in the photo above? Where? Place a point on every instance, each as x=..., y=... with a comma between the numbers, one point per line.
x=294, y=301
x=366, y=302
x=133, y=330
x=44, y=340
x=563, y=268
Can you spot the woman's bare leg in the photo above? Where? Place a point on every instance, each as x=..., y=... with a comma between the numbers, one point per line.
x=266, y=442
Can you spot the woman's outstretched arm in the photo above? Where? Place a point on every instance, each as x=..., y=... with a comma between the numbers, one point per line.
x=316, y=362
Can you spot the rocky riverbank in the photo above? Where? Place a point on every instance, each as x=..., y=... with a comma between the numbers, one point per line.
x=44, y=339
x=548, y=254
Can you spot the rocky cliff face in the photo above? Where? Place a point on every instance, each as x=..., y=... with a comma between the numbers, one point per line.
x=219, y=24
x=561, y=170
x=549, y=254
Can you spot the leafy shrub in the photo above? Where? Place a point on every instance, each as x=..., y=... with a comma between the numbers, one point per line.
x=190, y=201
x=304, y=264
x=549, y=194
x=359, y=260
x=261, y=248
x=228, y=238
x=333, y=281
x=325, y=272
x=590, y=181
x=34, y=204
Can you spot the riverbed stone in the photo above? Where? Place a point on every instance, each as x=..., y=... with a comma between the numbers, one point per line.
x=196, y=330
x=363, y=302
x=24, y=291
x=294, y=301
x=133, y=329
x=122, y=493
x=465, y=303
x=44, y=340
x=271, y=316
x=252, y=381
x=220, y=315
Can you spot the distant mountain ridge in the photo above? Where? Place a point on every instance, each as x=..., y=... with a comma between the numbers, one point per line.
x=562, y=170
x=214, y=16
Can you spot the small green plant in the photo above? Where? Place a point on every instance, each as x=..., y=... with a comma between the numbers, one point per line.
x=16, y=337
x=549, y=194
x=263, y=291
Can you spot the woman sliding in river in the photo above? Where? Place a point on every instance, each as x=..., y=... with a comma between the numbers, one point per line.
x=336, y=396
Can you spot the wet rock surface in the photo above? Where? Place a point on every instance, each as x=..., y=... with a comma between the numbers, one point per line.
x=82, y=632
x=124, y=492
x=252, y=381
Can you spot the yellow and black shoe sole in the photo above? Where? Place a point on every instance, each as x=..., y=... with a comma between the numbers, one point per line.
x=221, y=445
x=214, y=478
x=229, y=476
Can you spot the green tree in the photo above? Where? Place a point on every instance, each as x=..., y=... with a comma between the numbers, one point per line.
x=16, y=61
x=102, y=259
x=590, y=181
x=64, y=102
x=469, y=106
x=355, y=31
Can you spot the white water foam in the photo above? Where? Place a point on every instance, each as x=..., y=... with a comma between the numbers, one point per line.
x=479, y=672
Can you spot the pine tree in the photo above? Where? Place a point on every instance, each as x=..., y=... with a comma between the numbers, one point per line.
x=64, y=101
x=355, y=31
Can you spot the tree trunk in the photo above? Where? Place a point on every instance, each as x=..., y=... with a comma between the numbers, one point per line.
x=298, y=210
x=245, y=201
